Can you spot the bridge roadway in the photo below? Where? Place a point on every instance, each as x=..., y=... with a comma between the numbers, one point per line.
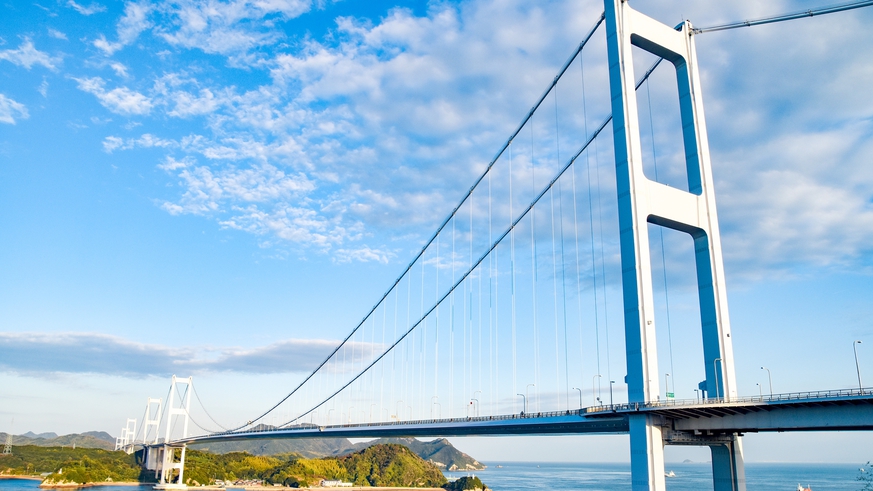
x=833, y=410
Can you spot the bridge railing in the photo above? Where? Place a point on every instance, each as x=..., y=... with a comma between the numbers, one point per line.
x=761, y=399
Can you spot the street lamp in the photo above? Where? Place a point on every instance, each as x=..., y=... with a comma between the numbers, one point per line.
x=760, y=393
x=328, y=415
x=593, y=391
x=697, y=395
x=857, y=366
x=432, y=403
x=526, y=393
x=666, y=386
x=580, y=396
x=399, y=406
x=611, y=383
x=715, y=368
x=769, y=377
x=476, y=406
x=523, y=403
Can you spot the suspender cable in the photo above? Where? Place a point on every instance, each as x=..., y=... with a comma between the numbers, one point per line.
x=533, y=260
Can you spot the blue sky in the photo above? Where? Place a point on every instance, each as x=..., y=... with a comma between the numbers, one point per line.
x=225, y=188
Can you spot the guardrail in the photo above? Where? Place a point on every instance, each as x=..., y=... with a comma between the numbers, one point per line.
x=614, y=408
x=721, y=401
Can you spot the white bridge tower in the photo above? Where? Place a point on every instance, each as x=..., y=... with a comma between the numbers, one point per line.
x=642, y=201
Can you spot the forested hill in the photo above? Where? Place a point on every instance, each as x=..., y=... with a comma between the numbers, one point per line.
x=378, y=465
x=440, y=451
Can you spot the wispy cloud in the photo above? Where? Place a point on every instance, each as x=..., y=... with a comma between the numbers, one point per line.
x=57, y=34
x=43, y=354
x=89, y=10
x=120, y=100
x=134, y=22
x=9, y=110
x=27, y=56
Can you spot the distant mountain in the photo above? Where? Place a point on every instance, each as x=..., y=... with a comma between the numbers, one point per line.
x=440, y=452
x=92, y=439
x=48, y=435
x=310, y=448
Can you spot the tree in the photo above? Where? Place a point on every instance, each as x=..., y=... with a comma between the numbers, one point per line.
x=866, y=477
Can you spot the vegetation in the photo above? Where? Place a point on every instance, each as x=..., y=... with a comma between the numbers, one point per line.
x=391, y=465
x=68, y=465
x=866, y=477
x=378, y=465
x=464, y=483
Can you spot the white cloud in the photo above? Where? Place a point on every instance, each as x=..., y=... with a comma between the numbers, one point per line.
x=89, y=10
x=134, y=22
x=27, y=55
x=120, y=100
x=10, y=109
x=44, y=354
x=57, y=34
x=119, y=69
x=147, y=140
x=232, y=27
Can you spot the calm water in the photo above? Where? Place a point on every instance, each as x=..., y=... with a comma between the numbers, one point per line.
x=516, y=476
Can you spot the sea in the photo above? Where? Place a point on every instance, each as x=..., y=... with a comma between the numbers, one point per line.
x=526, y=476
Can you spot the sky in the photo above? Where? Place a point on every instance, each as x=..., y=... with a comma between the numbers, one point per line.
x=223, y=189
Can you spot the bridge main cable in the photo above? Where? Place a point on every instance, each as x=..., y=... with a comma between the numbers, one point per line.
x=479, y=261
x=785, y=17
x=442, y=226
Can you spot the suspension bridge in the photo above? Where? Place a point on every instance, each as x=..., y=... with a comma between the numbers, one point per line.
x=502, y=318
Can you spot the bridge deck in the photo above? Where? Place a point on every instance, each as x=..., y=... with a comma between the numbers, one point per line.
x=807, y=411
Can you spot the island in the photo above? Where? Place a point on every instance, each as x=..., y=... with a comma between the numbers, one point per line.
x=377, y=465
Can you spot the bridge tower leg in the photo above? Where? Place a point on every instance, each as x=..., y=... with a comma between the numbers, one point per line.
x=169, y=464
x=642, y=201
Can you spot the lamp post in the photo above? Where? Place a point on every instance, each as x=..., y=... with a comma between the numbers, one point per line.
x=523, y=403
x=611, y=383
x=476, y=407
x=399, y=406
x=697, y=395
x=760, y=393
x=769, y=377
x=432, y=403
x=594, y=393
x=666, y=386
x=526, y=393
x=328, y=415
x=350, y=413
x=371, y=412
x=580, y=396
x=857, y=366
x=715, y=368
x=477, y=401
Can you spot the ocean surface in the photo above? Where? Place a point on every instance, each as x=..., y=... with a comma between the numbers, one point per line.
x=518, y=476
x=521, y=476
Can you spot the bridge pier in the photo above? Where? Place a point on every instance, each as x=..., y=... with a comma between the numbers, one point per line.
x=647, y=453
x=165, y=461
x=728, y=470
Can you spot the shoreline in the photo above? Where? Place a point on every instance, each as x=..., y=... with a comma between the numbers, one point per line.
x=13, y=476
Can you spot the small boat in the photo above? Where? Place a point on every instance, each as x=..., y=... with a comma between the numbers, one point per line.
x=801, y=488
x=670, y=474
